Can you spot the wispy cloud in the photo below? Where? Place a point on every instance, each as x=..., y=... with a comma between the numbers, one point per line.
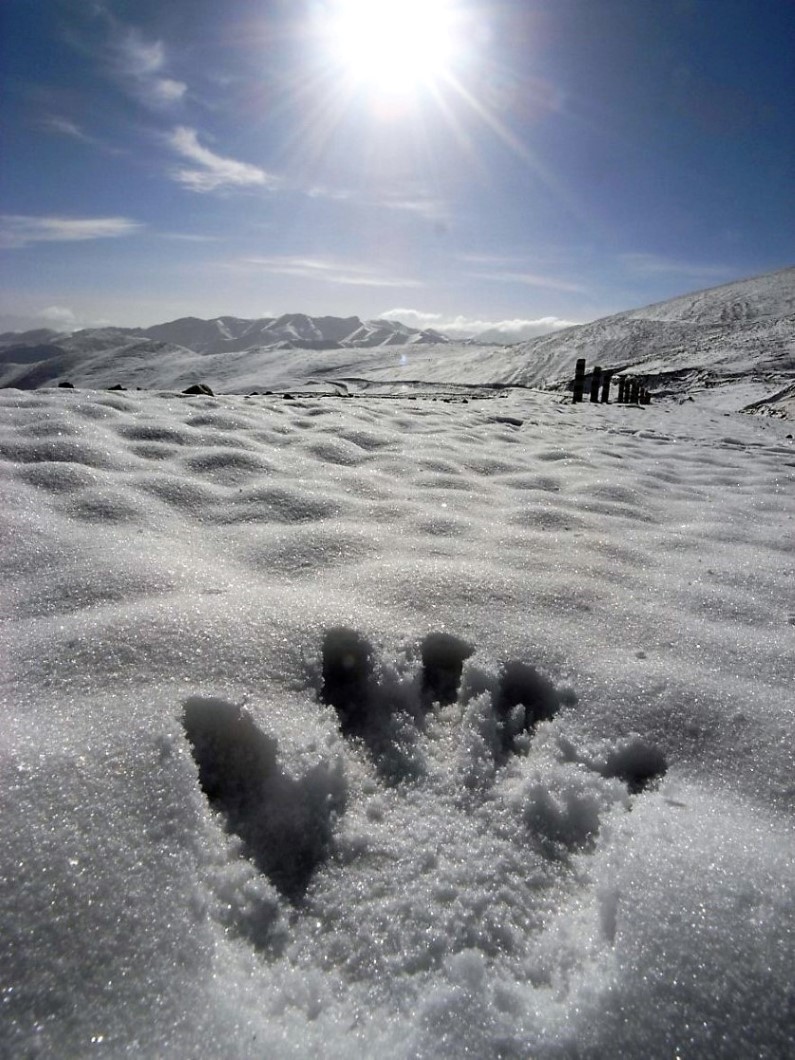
x=490, y=261
x=657, y=265
x=530, y=279
x=465, y=327
x=327, y=271
x=21, y=230
x=212, y=171
x=63, y=127
x=321, y=191
x=142, y=64
x=411, y=201
x=542, y=271
x=188, y=237
x=60, y=126
x=426, y=207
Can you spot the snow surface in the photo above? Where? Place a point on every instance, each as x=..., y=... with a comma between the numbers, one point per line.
x=229, y=829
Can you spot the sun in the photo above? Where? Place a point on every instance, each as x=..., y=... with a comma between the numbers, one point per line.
x=393, y=46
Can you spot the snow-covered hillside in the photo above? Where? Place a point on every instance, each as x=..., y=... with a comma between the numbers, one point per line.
x=733, y=345
x=740, y=329
x=97, y=358
x=762, y=298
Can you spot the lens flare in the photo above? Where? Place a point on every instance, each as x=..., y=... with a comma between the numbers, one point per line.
x=393, y=46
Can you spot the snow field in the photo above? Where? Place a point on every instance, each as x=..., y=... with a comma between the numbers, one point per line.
x=207, y=850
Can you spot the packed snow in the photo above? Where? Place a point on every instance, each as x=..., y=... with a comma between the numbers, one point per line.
x=397, y=720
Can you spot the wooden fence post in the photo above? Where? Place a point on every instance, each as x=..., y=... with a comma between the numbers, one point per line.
x=579, y=380
x=606, y=379
x=596, y=382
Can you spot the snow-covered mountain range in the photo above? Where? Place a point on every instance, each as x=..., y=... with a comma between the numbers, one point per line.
x=739, y=336
x=233, y=334
x=165, y=355
x=290, y=331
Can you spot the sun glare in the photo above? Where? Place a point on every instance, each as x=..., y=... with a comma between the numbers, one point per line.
x=393, y=46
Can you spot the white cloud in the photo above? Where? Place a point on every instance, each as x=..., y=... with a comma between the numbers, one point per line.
x=142, y=64
x=328, y=271
x=60, y=316
x=214, y=171
x=519, y=330
x=63, y=318
x=21, y=230
x=462, y=327
x=416, y=318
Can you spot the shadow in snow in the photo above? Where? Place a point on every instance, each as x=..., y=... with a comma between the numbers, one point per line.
x=285, y=823
x=443, y=658
x=383, y=717
x=525, y=697
x=637, y=764
x=347, y=670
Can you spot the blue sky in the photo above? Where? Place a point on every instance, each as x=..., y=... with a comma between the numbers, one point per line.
x=448, y=162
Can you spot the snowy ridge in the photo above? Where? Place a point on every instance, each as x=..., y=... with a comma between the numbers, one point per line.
x=762, y=298
x=289, y=331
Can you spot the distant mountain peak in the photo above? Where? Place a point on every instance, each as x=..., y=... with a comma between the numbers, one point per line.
x=290, y=330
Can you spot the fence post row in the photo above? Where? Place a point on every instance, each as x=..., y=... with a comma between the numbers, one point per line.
x=630, y=390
